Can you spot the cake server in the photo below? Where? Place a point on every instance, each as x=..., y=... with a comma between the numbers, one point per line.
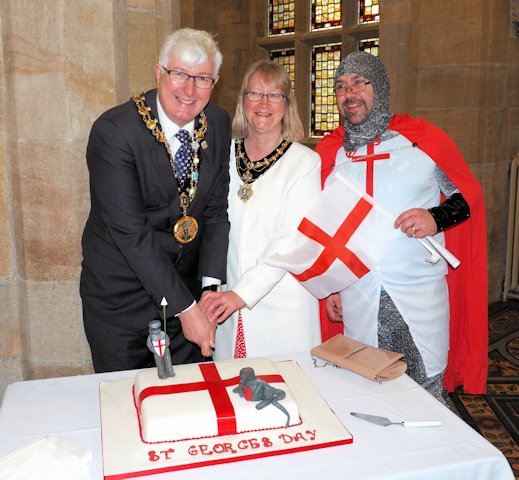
x=383, y=421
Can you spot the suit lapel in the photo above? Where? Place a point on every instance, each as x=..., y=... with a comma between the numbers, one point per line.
x=159, y=157
x=161, y=161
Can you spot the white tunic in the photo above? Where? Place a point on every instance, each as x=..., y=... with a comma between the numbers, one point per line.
x=418, y=289
x=281, y=315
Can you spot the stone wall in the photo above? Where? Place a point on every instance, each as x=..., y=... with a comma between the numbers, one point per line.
x=64, y=63
x=457, y=65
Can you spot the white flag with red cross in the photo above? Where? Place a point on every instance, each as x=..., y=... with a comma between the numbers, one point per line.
x=343, y=236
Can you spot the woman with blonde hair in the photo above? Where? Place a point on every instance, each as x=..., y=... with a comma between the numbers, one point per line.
x=264, y=310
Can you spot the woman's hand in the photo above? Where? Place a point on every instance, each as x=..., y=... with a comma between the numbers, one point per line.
x=218, y=306
x=334, y=307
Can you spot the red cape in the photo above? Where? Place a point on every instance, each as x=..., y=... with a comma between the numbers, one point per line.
x=468, y=284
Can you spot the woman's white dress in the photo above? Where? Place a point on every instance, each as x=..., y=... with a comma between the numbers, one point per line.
x=281, y=315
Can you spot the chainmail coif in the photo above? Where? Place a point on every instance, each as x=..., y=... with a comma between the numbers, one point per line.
x=372, y=69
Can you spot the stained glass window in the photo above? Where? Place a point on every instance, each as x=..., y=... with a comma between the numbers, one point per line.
x=287, y=58
x=281, y=16
x=314, y=50
x=369, y=45
x=326, y=13
x=325, y=115
x=369, y=11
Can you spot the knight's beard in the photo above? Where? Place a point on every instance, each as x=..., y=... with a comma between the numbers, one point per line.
x=358, y=134
x=346, y=115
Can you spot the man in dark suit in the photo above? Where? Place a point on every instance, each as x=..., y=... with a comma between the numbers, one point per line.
x=151, y=233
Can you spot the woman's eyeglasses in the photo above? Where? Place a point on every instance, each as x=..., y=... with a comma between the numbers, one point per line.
x=271, y=97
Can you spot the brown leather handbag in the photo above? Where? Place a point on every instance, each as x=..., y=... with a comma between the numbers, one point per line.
x=371, y=362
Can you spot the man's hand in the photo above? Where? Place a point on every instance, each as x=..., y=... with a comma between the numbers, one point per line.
x=220, y=305
x=334, y=307
x=416, y=222
x=198, y=329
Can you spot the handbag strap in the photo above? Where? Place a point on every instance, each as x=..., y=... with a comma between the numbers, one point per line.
x=315, y=359
x=316, y=365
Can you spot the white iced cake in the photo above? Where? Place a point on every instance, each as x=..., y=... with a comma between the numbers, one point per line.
x=195, y=419
x=199, y=401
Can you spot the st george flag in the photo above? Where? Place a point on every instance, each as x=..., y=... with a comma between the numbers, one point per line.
x=343, y=236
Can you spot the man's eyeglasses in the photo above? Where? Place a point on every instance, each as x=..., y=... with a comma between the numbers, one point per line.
x=271, y=97
x=181, y=78
x=358, y=85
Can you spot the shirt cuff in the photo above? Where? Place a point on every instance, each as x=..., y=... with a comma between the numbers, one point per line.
x=206, y=281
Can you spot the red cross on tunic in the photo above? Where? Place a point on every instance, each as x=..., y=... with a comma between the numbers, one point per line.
x=335, y=246
x=370, y=158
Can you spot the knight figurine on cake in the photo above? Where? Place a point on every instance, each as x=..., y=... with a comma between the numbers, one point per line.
x=158, y=342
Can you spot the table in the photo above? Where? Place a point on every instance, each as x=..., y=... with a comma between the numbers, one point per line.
x=68, y=408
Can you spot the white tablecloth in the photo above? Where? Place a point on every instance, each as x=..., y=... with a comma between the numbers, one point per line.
x=68, y=408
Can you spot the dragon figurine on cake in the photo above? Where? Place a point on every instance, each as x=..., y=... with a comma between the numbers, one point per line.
x=254, y=389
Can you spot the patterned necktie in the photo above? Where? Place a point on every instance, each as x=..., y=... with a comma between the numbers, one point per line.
x=239, y=348
x=184, y=155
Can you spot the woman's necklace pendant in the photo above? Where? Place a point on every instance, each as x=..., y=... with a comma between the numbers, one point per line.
x=245, y=192
x=249, y=171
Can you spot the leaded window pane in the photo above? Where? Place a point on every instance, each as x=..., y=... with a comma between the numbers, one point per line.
x=326, y=14
x=369, y=11
x=325, y=115
x=317, y=37
x=369, y=45
x=287, y=58
x=281, y=17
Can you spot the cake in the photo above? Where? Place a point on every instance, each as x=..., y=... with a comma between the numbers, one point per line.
x=207, y=415
x=199, y=402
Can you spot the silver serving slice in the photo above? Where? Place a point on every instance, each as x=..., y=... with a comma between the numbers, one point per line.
x=384, y=422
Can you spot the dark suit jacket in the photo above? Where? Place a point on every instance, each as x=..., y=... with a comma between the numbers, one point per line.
x=130, y=256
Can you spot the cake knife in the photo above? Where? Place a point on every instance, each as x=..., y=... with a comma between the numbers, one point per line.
x=383, y=421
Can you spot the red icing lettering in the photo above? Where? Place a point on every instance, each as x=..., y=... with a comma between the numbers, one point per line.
x=254, y=443
x=266, y=442
x=223, y=447
x=166, y=453
x=204, y=450
x=243, y=444
x=152, y=456
x=199, y=450
x=249, y=443
x=306, y=436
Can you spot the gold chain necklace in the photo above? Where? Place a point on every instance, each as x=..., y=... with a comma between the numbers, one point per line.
x=186, y=228
x=250, y=171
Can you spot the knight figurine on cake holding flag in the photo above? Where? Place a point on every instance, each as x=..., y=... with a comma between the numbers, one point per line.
x=158, y=343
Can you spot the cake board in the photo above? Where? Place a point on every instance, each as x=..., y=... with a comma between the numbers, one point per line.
x=125, y=455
